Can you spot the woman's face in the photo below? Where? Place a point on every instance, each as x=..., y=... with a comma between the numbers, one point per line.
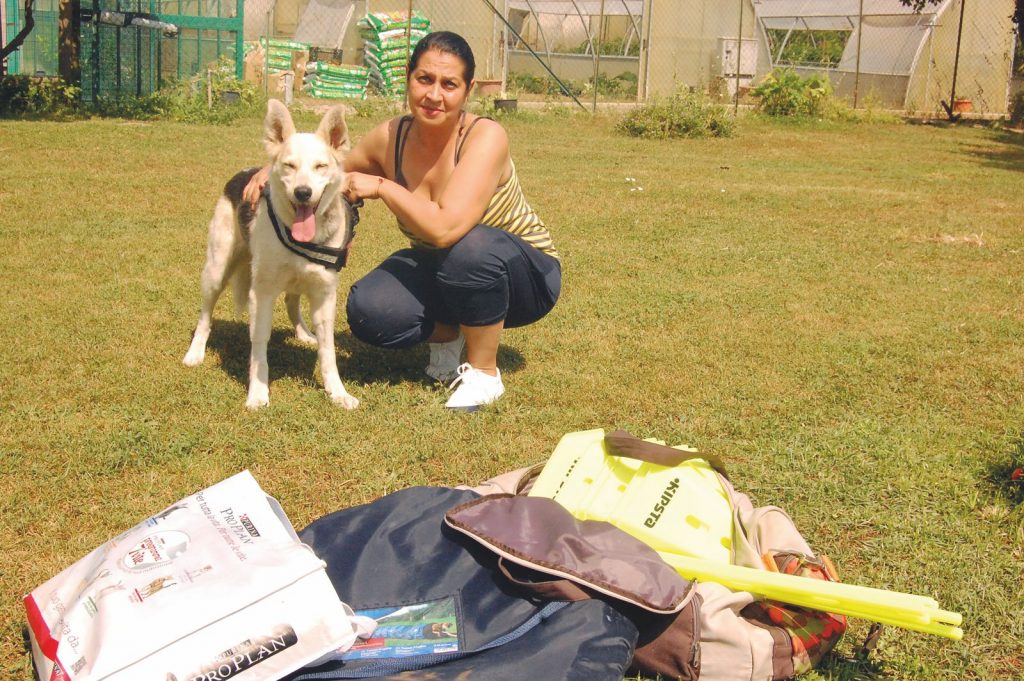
x=437, y=88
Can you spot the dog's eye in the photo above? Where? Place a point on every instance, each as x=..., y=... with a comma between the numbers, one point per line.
x=290, y=166
x=321, y=166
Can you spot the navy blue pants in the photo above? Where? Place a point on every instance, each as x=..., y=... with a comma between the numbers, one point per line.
x=488, y=276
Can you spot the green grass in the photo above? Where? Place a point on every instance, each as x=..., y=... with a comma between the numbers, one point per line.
x=835, y=309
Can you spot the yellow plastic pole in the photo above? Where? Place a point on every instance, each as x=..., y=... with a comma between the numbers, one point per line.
x=908, y=611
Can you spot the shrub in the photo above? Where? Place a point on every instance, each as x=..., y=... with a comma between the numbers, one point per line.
x=684, y=114
x=784, y=93
x=1017, y=109
x=204, y=99
x=34, y=97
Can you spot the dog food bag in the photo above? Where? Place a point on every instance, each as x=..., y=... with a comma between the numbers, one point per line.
x=216, y=586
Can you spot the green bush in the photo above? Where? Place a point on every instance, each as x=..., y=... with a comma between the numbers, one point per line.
x=34, y=97
x=213, y=96
x=613, y=47
x=541, y=85
x=1017, y=109
x=204, y=98
x=784, y=93
x=684, y=114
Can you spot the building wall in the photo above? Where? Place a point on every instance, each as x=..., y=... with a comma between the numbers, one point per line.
x=685, y=46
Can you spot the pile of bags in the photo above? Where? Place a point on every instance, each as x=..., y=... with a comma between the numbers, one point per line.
x=557, y=571
x=389, y=38
x=335, y=81
x=280, y=53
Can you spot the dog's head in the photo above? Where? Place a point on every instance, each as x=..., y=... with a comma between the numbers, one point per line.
x=305, y=167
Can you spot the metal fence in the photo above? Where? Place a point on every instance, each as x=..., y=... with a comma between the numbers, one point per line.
x=132, y=59
x=875, y=52
x=957, y=54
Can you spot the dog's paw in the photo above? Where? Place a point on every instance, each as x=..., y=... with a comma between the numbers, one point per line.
x=345, y=400
x=194, y=358
x=305, y=337
x=257, y=400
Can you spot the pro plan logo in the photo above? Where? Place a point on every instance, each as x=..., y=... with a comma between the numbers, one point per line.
x=245, y=655
x=247, y=524
x=659, y=508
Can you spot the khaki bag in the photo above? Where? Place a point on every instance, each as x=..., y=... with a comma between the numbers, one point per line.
x=719, y=634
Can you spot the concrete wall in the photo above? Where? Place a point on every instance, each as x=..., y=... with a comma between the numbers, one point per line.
x=571, y=66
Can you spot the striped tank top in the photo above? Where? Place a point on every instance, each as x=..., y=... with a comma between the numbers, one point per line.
x=507, y=210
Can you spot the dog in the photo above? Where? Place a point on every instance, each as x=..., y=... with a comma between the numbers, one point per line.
x=262, y=256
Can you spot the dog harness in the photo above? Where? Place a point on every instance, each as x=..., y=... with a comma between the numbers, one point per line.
x=331, y=258
x=507, y=210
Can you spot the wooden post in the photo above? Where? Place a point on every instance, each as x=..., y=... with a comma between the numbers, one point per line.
x=597, y=52
x=739, y=61
x=860, y=33
x=69, y=42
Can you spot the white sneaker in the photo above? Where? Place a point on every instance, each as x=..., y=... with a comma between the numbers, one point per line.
x=475, y=389
x=445, y=359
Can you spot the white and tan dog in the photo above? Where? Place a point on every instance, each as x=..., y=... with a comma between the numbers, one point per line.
x=295, y=242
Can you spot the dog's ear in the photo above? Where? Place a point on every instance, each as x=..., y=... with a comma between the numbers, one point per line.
x=334, y=130
x=277, y=127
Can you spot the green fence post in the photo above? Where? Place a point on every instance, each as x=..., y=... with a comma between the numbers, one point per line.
x=239, y=38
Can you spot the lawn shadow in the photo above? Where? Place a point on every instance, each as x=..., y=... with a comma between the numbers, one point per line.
x=1008, y=156
x=286, y=356
x=363, y=363
x=859, y=667
x=1007, y=477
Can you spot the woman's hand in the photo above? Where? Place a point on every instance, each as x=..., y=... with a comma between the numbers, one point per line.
x=252, y=191
x=362, y=186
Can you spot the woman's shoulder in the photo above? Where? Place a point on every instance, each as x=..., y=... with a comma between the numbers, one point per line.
x=482, y=131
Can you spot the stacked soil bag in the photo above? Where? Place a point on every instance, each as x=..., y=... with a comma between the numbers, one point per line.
x=389, y=38
x=335, y=81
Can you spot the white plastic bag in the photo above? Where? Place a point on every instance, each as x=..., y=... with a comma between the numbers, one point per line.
x=215, y=587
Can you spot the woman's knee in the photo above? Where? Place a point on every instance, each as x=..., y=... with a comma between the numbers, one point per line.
x=376, y=320
x=477, y=259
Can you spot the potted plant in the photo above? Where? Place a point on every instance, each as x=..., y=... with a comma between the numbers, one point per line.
x=506, y=101
x=963, y=105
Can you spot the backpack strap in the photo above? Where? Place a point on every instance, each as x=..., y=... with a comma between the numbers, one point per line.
x=552, y=590
x=621, y=443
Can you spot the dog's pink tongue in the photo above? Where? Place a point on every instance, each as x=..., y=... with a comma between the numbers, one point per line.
x=304, y=227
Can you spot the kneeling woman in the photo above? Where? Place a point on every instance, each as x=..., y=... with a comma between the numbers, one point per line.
x=480, y=259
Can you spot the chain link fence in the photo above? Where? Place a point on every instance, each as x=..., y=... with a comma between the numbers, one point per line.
x=954, y=56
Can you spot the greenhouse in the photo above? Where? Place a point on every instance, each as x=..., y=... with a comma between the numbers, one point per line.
x=885, y=51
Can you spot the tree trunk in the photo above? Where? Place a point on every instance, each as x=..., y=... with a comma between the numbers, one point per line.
x=69, y=42
x=17, y=40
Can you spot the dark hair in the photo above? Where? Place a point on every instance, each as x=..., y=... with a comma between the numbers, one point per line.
x=448, y=43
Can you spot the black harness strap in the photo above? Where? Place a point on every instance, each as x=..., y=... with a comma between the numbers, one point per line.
x=331, y=258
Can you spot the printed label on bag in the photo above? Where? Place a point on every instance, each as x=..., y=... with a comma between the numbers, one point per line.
x=156, y=549
x=418, y=629
x=246, y=654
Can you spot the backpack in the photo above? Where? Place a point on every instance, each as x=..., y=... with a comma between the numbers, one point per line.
x=491, y=583
x=724, y=635
x=444, y=607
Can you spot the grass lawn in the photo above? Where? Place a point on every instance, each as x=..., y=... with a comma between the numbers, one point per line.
x=836, y=310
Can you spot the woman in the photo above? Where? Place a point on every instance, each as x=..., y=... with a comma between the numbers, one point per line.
x=480, y=259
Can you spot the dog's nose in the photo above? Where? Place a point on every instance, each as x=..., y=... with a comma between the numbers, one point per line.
x=303, y=193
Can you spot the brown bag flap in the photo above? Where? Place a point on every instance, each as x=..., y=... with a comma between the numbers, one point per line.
x=622, y=443
x=540, y=534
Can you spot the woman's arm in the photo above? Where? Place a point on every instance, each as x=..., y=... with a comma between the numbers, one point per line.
x=462, y=202
x=369, y=153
